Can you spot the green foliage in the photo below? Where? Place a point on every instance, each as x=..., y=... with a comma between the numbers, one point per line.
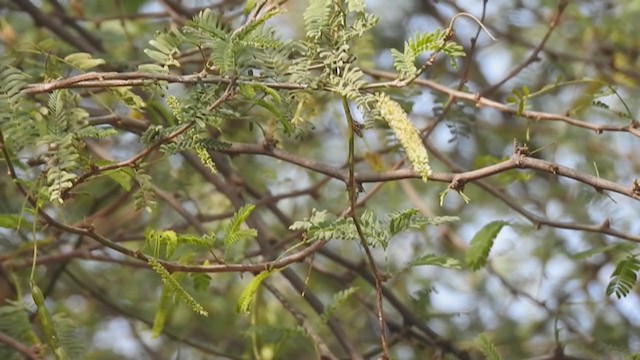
x=329, y=34
x=624, y=277
x=322, y=225
x=478, y=251
x=14, y=322
x=317, y=17
x=16, y=112
x=356, y=5
x=165, y=306
x=519, y=97
x=233, y=233
x=435, y=260
x=488, y=349
x=12, y=81
x=435, y=42
x=170, y=240
x=229, y=51
x=205, y=27
x=231, y=74
x=403, y=220
x=156, y=239
x=582, y=255
x=129, y=98
x=339, y=298
x=201, y=281
x=65, y=125
x=145, y=196
x=249, y=292
x=166, y=51
x=83, y=61
x=279, y=337
x=70, y=337
x=14, y=221
x=175, y=288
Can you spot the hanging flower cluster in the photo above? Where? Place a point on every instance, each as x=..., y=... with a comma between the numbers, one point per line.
x=406, y=133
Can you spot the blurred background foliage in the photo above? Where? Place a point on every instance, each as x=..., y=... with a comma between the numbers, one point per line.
x=542, y=294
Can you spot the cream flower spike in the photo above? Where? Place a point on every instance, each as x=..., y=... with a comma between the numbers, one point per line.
x=407, y=134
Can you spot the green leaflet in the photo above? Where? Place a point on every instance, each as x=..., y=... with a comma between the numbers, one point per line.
x=322, y=225
x=169, y=281
x=157, y=239
x=339, y=298
x=601, y=250
x=478, y=251
x=317, y=17
x=412, y=219
x=166, y=44
x=14, y=322
x=248, y=293
x=233, y=233
x=435, y=260
x=162, y=313
x=69, y=336
x=122, y=176
x=435, y=41
x=83, y=61
x=356, y=5
x=14, y=221
x=486, y=346
x=144, y=198
x=624, y=277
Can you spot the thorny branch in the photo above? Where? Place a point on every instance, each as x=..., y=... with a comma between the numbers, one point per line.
x=236, y=191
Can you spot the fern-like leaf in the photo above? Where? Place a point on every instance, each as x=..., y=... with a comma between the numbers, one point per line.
x=436, y=41
x=83, y=61
x=624, y=277
x=435, y=260
x=487, y=347
x=162, y=312
x=478, y=251
x=12, y=82
x=248, y=293
x=317, y=17
x=144, y=198
x=233, y=234
x=14, y=322
x=69, y=337
x=205, y=27
x=338, y=299
x=169, y=281
x=166, y=48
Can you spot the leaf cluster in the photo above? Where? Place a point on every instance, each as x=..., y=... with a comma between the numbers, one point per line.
x=433, y=42
x=322, y=225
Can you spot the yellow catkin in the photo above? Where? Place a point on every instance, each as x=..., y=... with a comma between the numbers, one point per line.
x=406, y=133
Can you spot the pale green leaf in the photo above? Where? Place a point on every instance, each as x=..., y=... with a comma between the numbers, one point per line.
x=435, y=260
x=338, y=299
x=624, y=277
x=122, y=177
x=478, y=251
x=488, y=349
x=248, y=293
x=83, y=61
x=14, y=221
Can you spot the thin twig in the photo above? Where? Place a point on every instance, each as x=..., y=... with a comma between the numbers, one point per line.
x=352, y=189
